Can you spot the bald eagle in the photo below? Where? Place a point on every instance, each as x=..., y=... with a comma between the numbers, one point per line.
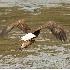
x=31, y=34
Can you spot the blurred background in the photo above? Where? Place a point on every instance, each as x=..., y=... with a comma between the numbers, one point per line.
x=47, y=52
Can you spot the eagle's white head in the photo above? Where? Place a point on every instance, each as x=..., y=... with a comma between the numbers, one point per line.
x=28, y=37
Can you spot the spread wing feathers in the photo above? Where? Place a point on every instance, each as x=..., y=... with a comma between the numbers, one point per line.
x=23, y=26
x=20, y=24
x=56, y=30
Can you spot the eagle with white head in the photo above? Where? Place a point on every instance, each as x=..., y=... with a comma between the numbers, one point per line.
x=29, y=38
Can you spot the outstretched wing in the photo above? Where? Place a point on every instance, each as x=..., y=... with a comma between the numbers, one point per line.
x=56, y=30
x=23, y=26
x=20, y=24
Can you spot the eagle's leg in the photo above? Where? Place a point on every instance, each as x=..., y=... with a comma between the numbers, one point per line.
x=26, y=43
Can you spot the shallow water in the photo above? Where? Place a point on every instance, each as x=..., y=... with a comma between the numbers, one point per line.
x=30, y=5
x=47, y=52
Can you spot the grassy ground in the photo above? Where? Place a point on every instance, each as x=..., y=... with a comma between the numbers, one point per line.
x=8, y=15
